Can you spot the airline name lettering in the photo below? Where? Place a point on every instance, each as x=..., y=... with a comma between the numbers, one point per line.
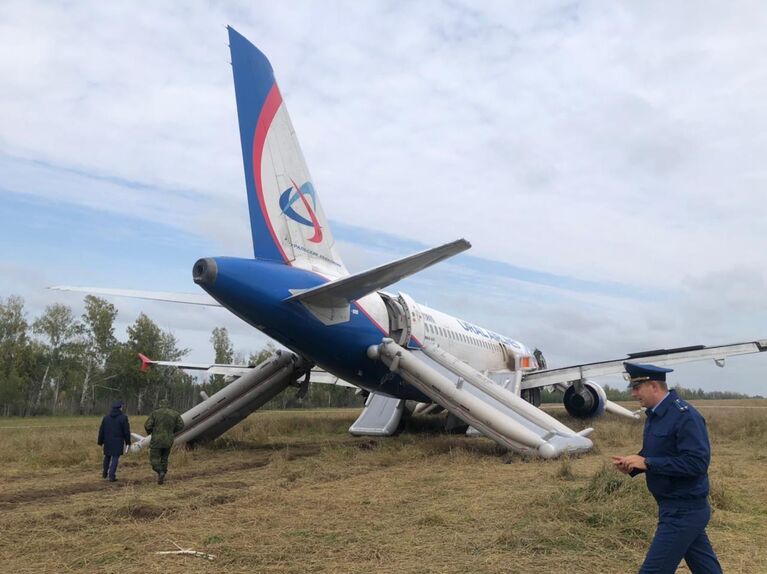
x=314, y=253
x=489, y=334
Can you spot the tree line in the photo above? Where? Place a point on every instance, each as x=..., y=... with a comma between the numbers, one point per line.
x=59, y=363
x=62, y=364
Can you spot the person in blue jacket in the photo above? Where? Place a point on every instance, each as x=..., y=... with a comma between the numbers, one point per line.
x=114, y=435
x=674, y=459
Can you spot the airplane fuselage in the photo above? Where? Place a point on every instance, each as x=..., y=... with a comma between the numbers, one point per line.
x=255, y=290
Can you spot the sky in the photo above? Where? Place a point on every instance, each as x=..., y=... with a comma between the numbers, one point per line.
x=606, y=161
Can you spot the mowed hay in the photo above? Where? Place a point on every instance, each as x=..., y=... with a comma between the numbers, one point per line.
x=294, y=492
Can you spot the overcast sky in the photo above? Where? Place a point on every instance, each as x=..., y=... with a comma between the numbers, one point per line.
x=606, y=160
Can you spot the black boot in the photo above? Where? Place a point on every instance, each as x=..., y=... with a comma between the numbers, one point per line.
x=160, y=478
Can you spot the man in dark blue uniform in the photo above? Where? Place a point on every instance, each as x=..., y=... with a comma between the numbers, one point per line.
x=114, y=434
x=674, y=457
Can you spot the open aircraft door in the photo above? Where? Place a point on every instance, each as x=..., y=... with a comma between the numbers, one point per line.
x=414, y=321
x=382, y=414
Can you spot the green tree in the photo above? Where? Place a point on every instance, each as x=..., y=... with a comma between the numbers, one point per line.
x=14, y=344
x=224, y=355
x=62, y=330
x=173, y=380
x=144, y=336
x=260, y=356
x=98, y=320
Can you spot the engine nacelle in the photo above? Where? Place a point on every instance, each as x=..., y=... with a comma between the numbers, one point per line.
x=585, y=400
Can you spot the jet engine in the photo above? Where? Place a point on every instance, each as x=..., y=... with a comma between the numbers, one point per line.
x=585, y=399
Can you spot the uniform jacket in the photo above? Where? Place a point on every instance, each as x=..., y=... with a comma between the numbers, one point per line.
x=163, y=423
x=677, y=452
x=114, y=432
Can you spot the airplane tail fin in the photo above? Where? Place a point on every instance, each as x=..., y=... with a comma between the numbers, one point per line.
x=287, y=221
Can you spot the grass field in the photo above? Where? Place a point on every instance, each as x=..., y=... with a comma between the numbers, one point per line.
x=293, y=492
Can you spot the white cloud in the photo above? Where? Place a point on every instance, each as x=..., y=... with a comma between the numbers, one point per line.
x=619, y=142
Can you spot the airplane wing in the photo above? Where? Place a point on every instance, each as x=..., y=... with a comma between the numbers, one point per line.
x=187, y=298
x=317, y=375
x=656, y=357
x=347, y=289
x=210, y=368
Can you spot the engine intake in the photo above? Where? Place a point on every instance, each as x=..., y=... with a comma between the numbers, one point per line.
x=205, y=271
x=585, y=400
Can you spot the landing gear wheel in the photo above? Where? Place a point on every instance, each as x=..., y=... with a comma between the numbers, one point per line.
x=454, y=425
x=532, y=396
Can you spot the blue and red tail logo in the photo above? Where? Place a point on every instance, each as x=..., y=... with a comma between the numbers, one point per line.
x=293, y=194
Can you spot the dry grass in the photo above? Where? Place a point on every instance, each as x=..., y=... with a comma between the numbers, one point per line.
x=293, y=492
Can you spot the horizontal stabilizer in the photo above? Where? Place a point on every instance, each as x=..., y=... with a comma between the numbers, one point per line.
x=187, y=298
x=658, y=357
x=347, y=289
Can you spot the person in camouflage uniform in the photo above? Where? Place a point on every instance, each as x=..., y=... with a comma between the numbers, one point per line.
x=163, y=424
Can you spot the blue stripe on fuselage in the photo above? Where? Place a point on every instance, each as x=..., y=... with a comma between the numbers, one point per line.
x=253, y=80
x=254, y=290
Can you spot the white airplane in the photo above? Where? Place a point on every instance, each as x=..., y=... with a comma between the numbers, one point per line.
x=297, y=291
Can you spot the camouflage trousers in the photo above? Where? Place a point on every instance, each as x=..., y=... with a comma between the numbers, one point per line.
x=158, y=458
